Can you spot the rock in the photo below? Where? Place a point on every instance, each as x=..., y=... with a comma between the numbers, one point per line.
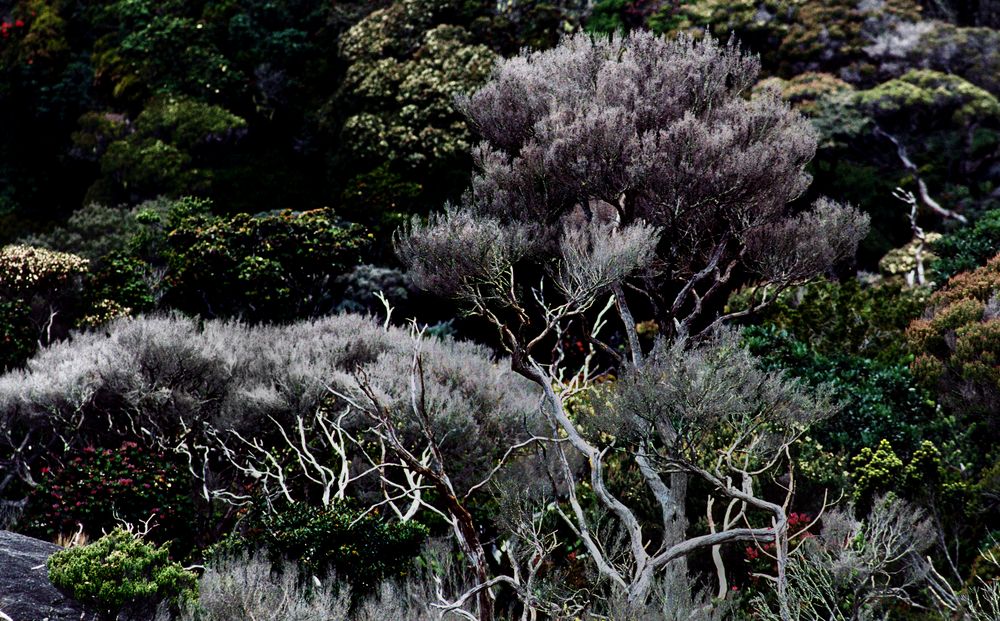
x=25, y=591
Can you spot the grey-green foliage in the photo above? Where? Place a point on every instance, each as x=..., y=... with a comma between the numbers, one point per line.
x=857, y=570
x=163, y=375
x=673, y=598
x=639, y=131
x=248, y=587
x=96, y=230
x=685, y=400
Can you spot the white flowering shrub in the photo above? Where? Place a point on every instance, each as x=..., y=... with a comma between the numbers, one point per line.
x=25, y=270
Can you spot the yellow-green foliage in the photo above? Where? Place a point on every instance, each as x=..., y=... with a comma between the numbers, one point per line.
x=793, y=35
x=903, y=261
x=875, y=470
x=45, y=39
x=935, y=93
x=120, y=569
x=924, y=475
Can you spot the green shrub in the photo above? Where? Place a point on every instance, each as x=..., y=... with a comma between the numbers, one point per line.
x=42, y=292
x=362, y=548
x=848, y=318
x=264, y=268
x=879, y=400
x=967, y=248
x=957, y=348
x=17, y=336
x=120, y=571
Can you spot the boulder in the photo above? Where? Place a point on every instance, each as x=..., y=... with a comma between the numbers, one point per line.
x=25, y=591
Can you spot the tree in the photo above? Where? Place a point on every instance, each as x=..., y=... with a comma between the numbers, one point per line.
x=633, y=161
x=648, y=139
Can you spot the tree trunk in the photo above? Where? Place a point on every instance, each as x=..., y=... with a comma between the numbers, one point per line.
x=468, y=537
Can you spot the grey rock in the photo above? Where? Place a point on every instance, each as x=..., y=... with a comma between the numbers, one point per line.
x=25, y=591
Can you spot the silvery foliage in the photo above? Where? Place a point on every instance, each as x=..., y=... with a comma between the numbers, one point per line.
x=633, y=131
x=856, y=570
x=249, y=587
x=672, y=599
x=685, y=405
x=252, y=587
x=183, y=382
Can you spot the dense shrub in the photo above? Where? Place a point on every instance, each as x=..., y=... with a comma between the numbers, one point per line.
x=360, y=286
x=194, y=386
x=262, y=268
x=41, y=292
x=166, y=150
x=967, y=248
x=957, y=345
x=849, y=317
x=406, y=63
x=792, y=37
x=879, y=399
x=26, y=271
x=339, y=539
x=90, y=232
x=96, y=488
x=120, y=571
x=972, y=53
x=18, y=339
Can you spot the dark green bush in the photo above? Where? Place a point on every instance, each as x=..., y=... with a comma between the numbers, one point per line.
x=879, y=400
x=97, y=487
x=848, y=318
x=264, y=268
x=18, y=339
x=967, y=248
x=362, y=548
x=121, y=571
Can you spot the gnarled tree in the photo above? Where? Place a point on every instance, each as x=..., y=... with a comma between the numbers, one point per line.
x=635, y=164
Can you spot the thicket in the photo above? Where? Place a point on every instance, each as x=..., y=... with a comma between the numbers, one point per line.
x=195, y=193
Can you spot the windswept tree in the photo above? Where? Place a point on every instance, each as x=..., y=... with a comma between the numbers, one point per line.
x=649, y=142
x=624, y=172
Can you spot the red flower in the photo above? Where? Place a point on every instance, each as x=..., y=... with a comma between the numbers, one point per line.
x=19, y=23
